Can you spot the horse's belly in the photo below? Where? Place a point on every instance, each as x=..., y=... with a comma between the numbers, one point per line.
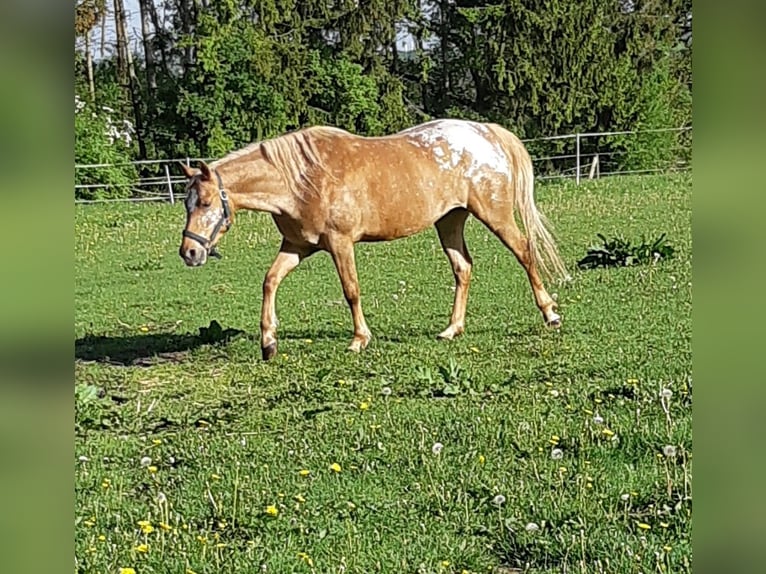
x=398, y=219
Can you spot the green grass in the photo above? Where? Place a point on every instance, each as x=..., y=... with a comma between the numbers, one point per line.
x=228, y=434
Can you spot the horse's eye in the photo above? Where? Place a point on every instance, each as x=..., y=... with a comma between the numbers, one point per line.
x=205, y=204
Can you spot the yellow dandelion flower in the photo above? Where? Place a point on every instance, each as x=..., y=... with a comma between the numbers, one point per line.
x=667, y=548
x=202, y=539
x=475, y=349
x=146, y=526
x=304, y=472
x=165, y=527
x=643, y=526
x=306, y=558
x=607, y=432
x=632, y=381
x=664, y=524
x=364, y=406
x=445, y=563
x=126, y=571
x=89, y=523
x=554, y=440
x=152, y=469
x=598, y=401
x=271, y=510
x=156, y=441
x=482, y=460
x=221, y=545
x=144, y=548
x=143, y=328
x=215, y=476
x=300, y=498
x=101, y=537
x=190, y=571
x=588, y=412
x=335, y=467
x=106, y=483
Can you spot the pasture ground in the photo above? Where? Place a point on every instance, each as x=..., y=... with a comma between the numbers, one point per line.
x=192, y=455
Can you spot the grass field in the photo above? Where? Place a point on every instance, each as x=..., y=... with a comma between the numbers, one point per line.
x=561, y=451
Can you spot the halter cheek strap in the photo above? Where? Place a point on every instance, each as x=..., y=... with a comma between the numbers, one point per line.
x=224, y=220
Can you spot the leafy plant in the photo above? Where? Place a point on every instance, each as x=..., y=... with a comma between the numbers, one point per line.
x=620, y=252
x=101, y=137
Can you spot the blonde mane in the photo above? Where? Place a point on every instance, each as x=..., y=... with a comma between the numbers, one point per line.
x=294, y=155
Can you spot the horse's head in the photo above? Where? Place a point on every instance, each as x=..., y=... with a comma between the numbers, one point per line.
x=208, y=214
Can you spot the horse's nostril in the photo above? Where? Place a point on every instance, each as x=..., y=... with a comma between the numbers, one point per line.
x=192, y=253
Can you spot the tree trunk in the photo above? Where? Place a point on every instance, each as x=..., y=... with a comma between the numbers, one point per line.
x=89, y=68
x=159, y=36
x=122, y=43
x=151, y=76
x=443, y=41
x=131, y=80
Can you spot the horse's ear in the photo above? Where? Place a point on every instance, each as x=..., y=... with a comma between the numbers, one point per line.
x=188, y=172
x=206, y=174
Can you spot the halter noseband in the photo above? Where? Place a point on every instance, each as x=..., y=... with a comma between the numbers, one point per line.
x=225, y=220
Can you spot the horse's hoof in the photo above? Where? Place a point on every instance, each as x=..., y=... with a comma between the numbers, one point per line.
x=359, y=343
x=554, y=321
x=449, y=333
x=268, y=352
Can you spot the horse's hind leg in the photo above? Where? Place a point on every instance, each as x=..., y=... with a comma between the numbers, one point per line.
x=450, y=230
x=287, y=259
x=509, y=233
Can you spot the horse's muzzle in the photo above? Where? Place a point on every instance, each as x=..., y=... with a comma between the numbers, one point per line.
x=194, y=255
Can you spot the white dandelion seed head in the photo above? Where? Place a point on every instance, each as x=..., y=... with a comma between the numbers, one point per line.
x=669, y=450
x=395, y=297
x=243, y=441
x=385, y=391
x=557, y=454
x=666, y=393
x=437, y=448
x=532, y=527
x=161, y=498
x=554, y=393
x=625, y=497
x=172, y=459
x=146, y=461
x=598, y=420
x=499, y=500
x=83, y=458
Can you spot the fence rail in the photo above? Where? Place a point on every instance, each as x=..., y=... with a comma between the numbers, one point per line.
x=588, y=156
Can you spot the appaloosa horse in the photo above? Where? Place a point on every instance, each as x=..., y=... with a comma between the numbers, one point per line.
x=328, y=189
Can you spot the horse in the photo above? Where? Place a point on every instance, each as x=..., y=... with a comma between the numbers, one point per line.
x=328, y=189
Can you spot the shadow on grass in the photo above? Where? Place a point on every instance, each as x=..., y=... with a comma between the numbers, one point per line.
x=149, y=349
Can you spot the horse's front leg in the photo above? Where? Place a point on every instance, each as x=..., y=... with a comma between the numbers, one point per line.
x=342, y=252
x=287, y=259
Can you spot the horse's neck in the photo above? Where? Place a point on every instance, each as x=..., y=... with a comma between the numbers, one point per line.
x=257, y=186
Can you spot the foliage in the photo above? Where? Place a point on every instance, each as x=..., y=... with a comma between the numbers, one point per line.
x=102, y=138
x=237, y=71
x=551, y=444
x=620, y=252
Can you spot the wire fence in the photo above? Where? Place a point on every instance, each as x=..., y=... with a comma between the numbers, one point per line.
x=573, y=156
